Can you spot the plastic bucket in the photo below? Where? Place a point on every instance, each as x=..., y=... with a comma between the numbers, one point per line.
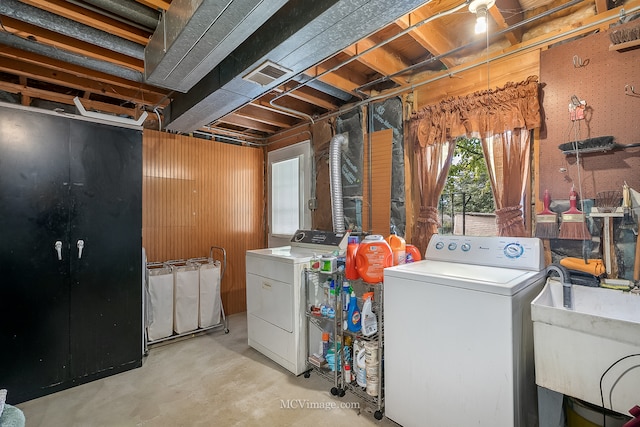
x=582, y=414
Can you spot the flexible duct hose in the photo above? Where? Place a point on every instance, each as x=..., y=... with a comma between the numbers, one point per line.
x=335, y=181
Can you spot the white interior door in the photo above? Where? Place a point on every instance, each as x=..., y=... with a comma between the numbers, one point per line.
x=289, y=187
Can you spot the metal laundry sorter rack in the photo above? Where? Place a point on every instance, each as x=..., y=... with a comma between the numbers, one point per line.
x=183, y=297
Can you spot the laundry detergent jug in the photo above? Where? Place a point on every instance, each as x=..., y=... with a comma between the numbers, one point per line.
x=373, y=256
x=398, y=248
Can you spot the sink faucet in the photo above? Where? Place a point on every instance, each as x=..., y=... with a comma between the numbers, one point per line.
x=565, y=279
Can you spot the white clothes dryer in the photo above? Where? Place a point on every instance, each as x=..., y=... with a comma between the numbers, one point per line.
x=275, y=295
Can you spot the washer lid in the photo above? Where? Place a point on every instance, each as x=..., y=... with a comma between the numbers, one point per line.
x=501, y=281
x=286, y=254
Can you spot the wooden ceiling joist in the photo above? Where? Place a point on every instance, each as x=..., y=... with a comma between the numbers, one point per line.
x=431, y=35
x=92, y=19
x=234, y=119
x=70, y=44
x=156, y=4
x=515, y=36
x=335, y=79
x=259, y=103
x=380, y=59
x=286, y=102
x=67, y=99
x=127, y=89
x=61, y=78
x=307, y=95
x=269, y=117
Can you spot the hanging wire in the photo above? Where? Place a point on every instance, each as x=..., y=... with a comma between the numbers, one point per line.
x=578, y=62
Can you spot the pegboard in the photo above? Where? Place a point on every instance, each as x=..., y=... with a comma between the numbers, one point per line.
x=587, y=69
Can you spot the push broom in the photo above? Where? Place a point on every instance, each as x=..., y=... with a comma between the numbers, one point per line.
x=573, y=221
x=546, y=220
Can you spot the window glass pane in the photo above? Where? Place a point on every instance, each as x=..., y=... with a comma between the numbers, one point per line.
x=285, y=189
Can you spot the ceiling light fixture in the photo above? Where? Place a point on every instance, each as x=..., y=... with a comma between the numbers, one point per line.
x=480, y=8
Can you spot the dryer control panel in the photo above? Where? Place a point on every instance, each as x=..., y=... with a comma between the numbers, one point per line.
x=320, y=240
x=524, y=253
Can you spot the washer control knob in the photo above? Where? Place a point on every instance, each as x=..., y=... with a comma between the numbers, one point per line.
x=439, y=245
x=513, y=250
x=452, y=246
x=466, y=247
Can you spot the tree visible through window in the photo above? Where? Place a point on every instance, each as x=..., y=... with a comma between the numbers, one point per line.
x=468, y=176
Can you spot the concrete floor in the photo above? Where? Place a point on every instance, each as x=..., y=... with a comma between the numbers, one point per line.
x=212, y=379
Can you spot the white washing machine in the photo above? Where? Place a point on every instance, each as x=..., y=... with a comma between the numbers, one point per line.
x=275, y=296
x=458, y=336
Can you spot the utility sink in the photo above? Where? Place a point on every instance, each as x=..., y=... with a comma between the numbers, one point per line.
x=576, y=348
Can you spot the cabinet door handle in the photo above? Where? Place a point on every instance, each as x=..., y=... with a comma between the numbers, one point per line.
x=58, y=248
x=80, y=246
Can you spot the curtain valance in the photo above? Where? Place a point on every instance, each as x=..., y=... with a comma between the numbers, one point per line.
x=513, y=106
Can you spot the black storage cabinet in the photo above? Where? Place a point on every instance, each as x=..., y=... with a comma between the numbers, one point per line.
x=75, y=318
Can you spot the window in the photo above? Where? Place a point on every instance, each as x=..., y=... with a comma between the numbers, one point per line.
x=289, y=189
x=285, y=196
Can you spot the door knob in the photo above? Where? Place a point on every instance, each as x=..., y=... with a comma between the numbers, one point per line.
x=58, y=248
x=80, y=246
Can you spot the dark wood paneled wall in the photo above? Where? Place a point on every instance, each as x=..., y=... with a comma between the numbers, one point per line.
x=199, y=193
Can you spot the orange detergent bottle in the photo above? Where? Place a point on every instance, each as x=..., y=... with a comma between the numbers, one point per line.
x=373, y=256
x=350, y=272
x=413, y=254
x=398, y=248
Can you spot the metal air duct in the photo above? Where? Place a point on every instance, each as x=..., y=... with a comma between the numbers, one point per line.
x=133, y=10
x=61, y=25
x=300, y=35
x=194, y=36
x=335, y=180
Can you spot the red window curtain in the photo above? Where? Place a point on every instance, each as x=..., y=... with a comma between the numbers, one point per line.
x=502, y=119
x=508, y=157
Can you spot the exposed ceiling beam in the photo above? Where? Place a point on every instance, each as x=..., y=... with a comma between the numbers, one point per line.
x=28, y=45
x=601, y=6
x=237, y=120
x=307, y=94
x=259, y=114
x=70, y=44
x=87, y=17
x=128, y=11
x=62, y=78
x=236, y=135
x=432, y=36
x=515, y=36
x=107, y=82
x=335, y=79
x=260, y=103
x=381, y=60
x=67, y=99
x=19, y=11
x=287, y=102
x=24, y=99
x=156, y=4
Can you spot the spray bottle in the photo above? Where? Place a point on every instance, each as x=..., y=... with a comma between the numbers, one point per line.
x=353, y=316
x=331, y=307
x=369, y=321
x=325, y=299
